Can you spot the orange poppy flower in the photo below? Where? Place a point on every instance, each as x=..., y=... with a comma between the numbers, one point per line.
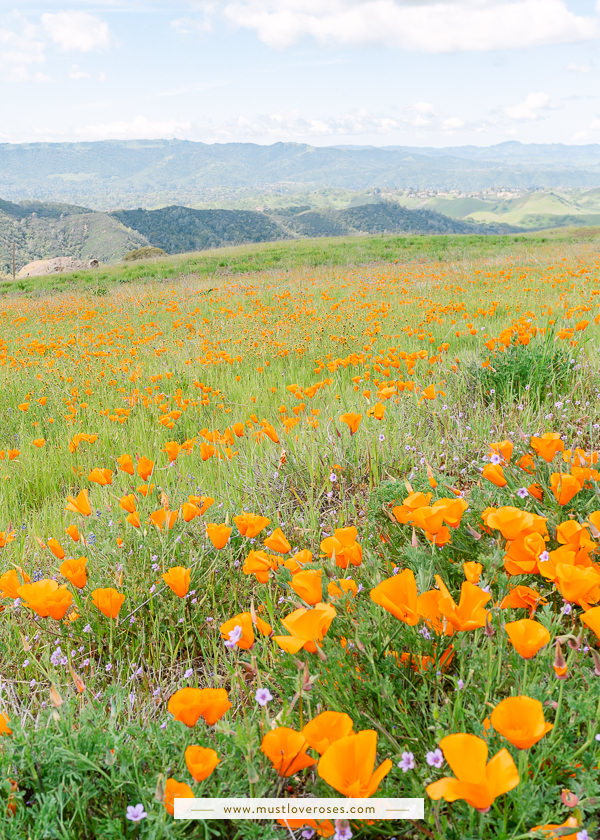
x=56, y=548
x=307, y=628
x=46, y=598
x=298, y=560
x=349, y=765
x=172, y=449
x=521, y=721
x=39, y=442
x=200, y=761
x=239, y=630
x=6, y=537
x=398, y=595
x=352, y=420
x=203, y=502
x=189, y=511
x=108, y=601
x=343, y=547
x=324, y=729
x=177, y=579
x=250, y=524
x=176, y=790
x=403, y=513
x=218, y=534
x=4, y=727
x=125, y=464
x=472, y=571
x=277, y=541
x=145, y=489
x=477, y=781
x=260, y=564
x=134, y=519
x=144, y=468
x=523, y=553
x=470, y=612
x=495, y=474
x=341, y=586
x=522, y=596
x=551, y=834
x=75, y=571
x=591, y=618
x=513, y=522
x=547, y=445
x=564, y=486
x=128, y=503
x=190, y=704
x=578, y=584
x=286, y=750
x=527, y=636
x=308, y=585
x=504, y=450
x=10, y=583
x=73, y=532
x=101, y=476
x=163, y=518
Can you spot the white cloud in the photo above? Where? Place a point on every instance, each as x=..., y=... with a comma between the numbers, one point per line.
x=432, y=26
x=572, y=67
x=531, y=108
x=453, y=124
x=191, y=26
x=77, y=31
x=21, y=51
x=140, y=127
x=77, y=73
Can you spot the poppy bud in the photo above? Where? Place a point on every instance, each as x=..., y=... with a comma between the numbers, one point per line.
x=569, y=799
x=489, y=630
x=575, y=643
x=560, y=665
x=596, y=658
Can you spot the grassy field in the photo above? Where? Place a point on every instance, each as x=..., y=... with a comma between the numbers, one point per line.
x=245, y=488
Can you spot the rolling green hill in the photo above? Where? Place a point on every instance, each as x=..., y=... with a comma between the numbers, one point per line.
x=154, y=173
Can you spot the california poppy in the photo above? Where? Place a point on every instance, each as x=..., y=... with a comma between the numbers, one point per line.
x=10, y=583
x=348, y=765
x=200, y=761
x=477, y=781
x=144, y=468
x=177, y=579
x=218, y=534
x=176, y=790
x=352, y=420
x=344, y=547
x=398, y=595
x=564, y=486
x=108, y=601
x=75, y=571
x=326, y=728
x=277, y=541
x=81, y=504
x=286, y=750
x=470, y=612
x=307, y=628
x=547, y=445
x=190, y=704
x=250, y=524
x=527, y=636
x=521, y=721
x=308, y=585
x=239, y=630
x=46, y=598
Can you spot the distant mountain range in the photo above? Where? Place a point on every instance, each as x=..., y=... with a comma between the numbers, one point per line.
x=150, y=173
x=46, y=230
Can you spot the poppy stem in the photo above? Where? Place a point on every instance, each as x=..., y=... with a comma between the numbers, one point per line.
x=388, y=643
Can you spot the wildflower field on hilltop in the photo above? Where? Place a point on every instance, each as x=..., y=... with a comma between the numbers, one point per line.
x=330, y=531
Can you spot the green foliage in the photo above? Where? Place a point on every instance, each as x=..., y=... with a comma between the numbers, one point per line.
x=145, y=253
x=531, y=372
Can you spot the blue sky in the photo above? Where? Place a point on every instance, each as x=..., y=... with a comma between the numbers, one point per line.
x=381, y=72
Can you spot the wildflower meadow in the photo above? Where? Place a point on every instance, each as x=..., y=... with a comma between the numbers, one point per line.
x=329, y=531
